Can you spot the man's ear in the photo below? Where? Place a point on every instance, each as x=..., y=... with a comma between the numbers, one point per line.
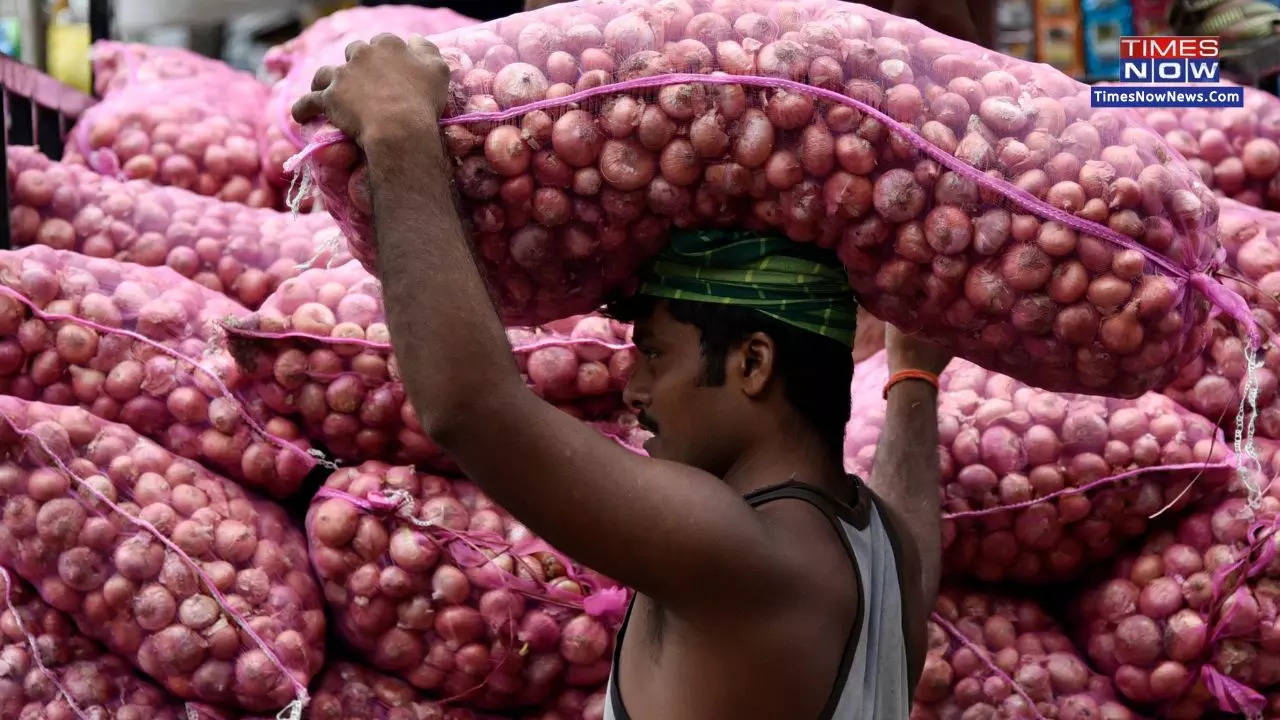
x=755, y=363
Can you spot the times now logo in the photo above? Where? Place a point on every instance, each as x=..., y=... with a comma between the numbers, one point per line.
x=1169, y=59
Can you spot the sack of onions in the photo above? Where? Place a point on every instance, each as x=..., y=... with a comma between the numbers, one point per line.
x=976, y=199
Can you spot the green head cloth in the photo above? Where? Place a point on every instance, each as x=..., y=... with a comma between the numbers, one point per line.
x=801, y=285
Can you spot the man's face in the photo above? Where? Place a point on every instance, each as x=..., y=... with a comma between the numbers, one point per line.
x=689, y=419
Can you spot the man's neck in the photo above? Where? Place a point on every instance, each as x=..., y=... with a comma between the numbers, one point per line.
x=785, y=455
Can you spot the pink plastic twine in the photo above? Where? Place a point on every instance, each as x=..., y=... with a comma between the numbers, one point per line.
x=983, y=654
x=311, y=456
x=292, y=711
x=1224, y=465
x=233, y=328
x=1233, y=696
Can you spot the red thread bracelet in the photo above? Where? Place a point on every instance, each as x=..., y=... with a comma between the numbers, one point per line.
x=901, y=375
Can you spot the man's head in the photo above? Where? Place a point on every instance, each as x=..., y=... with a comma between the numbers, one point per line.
x=739, y=336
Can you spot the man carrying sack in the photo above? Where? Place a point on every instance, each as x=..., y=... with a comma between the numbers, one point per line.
x=769, y=583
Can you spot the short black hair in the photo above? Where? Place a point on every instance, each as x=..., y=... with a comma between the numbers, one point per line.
x=816, y=370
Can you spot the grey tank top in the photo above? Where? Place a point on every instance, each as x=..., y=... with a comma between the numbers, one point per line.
x=873, y=681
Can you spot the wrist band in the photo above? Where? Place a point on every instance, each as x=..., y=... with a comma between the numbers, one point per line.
x=901, y=375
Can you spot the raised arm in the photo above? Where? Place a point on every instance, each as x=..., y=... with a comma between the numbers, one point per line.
x=906, y=463
x=660, y=527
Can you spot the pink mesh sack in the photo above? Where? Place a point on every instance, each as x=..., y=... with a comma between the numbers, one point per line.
x=180, y=134
x=228, y=247
x=295, y=62
x=1234, y=150
x=976, y=199
x=430, y=580
x=175, y=118
x=137, y=345
x=347, y=691
x=118, y=66
x=1038, y=486
x=50, y=671
x=1190, y=624
x=318, y=350
x=200, y=585
x=580, y=364
x=997, y=657
x=1218, y=384
x=331, y=33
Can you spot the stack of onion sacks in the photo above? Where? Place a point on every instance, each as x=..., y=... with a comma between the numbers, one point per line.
x=1190, y=623
x=976, y=199
x=428, y=579
x=228, y=247
x=203, y=587
x=990, y=656
x=319, y=350
x=137, y=345
x=1037, y=486
x=49, y=670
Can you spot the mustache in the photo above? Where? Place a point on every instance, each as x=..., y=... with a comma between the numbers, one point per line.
x=647, y=422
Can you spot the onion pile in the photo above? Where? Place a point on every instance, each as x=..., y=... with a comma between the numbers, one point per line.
x=318, y=350
x=135, y=345
x=1214, y=383
x=98, y=684
x=1235, y=150
x=976, y=199
x=1195, y=604
x=86, y=505
x=428, y=579
x=994, y=657
x=347, y=690
x=228, y=247
x=1004, y=445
